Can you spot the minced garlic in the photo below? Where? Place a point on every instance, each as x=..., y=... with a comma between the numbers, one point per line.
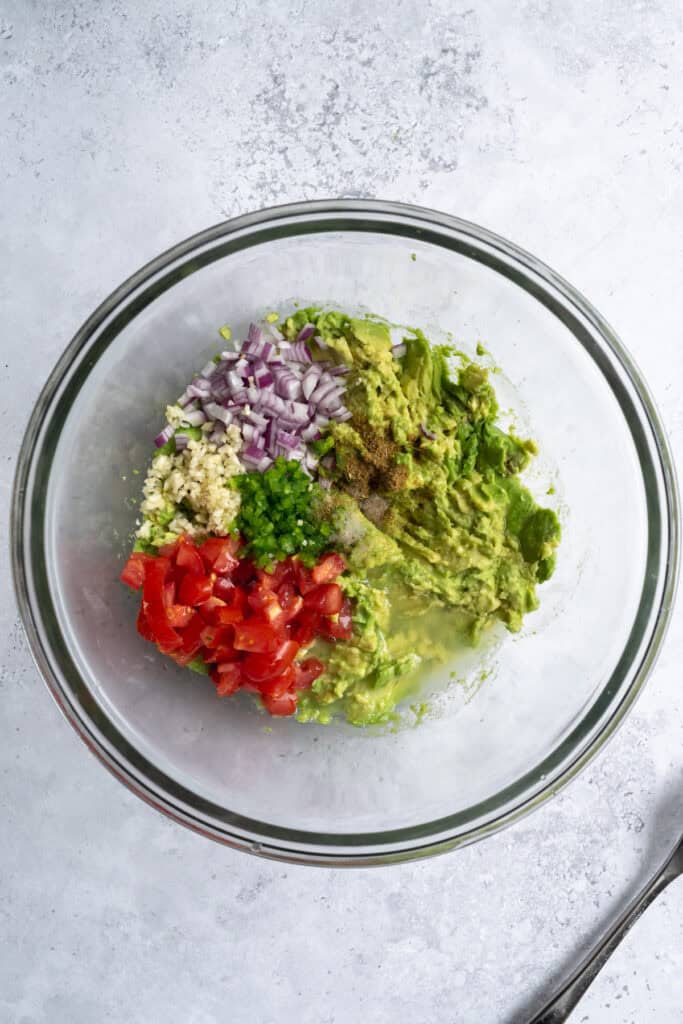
x=198, y=477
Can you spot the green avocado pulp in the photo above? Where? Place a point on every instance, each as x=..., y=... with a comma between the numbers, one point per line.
x=442, y=538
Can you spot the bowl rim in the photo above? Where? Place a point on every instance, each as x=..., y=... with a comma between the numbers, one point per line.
x=341, y=849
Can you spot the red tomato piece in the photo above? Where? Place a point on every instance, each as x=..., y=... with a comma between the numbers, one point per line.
x=307, y=672
x=169, y=550
x=342, y=628
x=217, y=636
x=143, y=628
x=179, y=615
x=290, y=602
x=306, y=627
x=326, y=598
x=226, y=678
x=133, y=574
x=191, y=640
x=260, y=599
x=259, y=667
x=245, y=573
x=277, y=685
x=225, y=589
x=169, y=593
x=194, y=589
x=229, y=616
x=282, y=705
x=188, y=557
x=328, y=568
x=304, y=578
x=154, y=608
x=209, y=609
x=225, y=652
x=218, y=554
x=283, y=572
x=253, y=635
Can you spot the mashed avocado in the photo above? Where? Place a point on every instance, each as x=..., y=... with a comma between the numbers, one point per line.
x=437, y=526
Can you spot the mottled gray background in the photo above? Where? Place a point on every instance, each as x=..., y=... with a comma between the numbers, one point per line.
x=125, y=127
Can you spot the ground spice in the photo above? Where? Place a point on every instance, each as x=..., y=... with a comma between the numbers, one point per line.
x=373, y=470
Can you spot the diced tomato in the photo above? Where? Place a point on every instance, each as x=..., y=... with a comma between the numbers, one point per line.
x=304, y=578
x=209, y=609
x=283, y=572
x=223, y=653
x=169, y=593
x=326, y=599
x=342, y=628
x=259, y=667
x=276, y=686
x=281, y=705
x=143, y=628
x=255, y=636
x=154, y=608
x=245, y=573
x=169, y=550
x=188, y=557
x=225, y=589
x=328, y=568
x=218, y=554
x=190, y=640
x=231, y=609
x=194, y=589
x=290, y=602
x=260, y=599
x=307, y=672
x=179, y=615
x=306, y=627
x=133, y=574
x=226, y=678
x=217, y=636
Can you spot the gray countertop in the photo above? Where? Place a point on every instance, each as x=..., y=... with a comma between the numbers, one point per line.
x=125, y=127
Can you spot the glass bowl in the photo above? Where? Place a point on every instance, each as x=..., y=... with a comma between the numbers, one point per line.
x=522, y=716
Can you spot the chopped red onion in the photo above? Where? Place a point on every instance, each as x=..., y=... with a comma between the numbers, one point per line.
x=300, y=353
x=287, y=440
x=342, y=415
x=428, y=433
x=181, y=441
x=229, y=357
x=310, y=433
x=306, y=332
x=253, y=454
x=165, y=435
x=263, y=378
x=208, y=370
x=218, y=412
x=195, y=417
x=217, y=434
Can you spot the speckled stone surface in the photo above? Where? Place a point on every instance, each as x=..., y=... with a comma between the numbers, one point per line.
x=125, y=127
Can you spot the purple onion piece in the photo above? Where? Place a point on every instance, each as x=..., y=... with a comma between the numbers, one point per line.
x=306, y=332
x=310, y=433
x=287, y=440
x=428, y=433
x=181, y=441
x=252, y=454
x=338, y=371
x=165, y=435
x=195, y=417
x=342, y=416
x=208, y=369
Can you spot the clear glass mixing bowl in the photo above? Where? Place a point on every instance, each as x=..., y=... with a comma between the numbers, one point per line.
x=523, y=716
